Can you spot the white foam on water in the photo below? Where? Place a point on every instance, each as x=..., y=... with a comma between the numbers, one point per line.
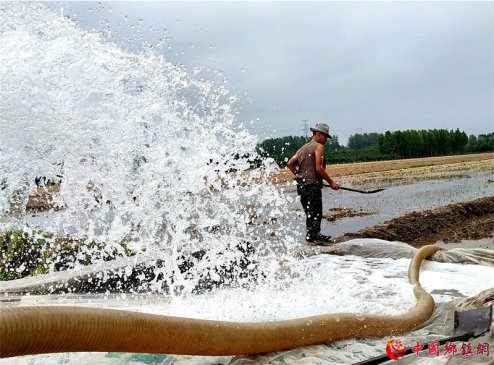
x=312, y=286
x=453, y=280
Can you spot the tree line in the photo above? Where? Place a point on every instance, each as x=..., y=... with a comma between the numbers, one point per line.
x=383, y=146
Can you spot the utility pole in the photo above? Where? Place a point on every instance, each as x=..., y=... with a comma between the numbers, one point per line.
x=305, y=127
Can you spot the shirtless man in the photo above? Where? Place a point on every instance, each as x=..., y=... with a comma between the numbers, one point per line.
x=309, y=167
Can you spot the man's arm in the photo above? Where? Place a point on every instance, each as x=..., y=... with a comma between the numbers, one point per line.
x=292, y=164
x=321, y=170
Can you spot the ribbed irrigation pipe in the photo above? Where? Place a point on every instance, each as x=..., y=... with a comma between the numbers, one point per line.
x=39, y=330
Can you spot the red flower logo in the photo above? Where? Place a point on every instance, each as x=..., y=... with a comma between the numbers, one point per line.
x=395, y=349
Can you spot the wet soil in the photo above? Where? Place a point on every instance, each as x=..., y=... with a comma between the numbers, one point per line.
x=335, y=214
x=42, y=199
x=470, y=220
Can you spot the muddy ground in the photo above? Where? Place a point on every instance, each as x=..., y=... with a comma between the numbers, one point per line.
x=471, y=220
x=335, y=214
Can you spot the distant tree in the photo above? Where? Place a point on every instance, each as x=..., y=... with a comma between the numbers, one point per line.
x=485, y=142
x=360, y=141
x=471, y=144
x=333, y=144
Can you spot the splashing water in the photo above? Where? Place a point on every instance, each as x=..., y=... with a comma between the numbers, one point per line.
x=146, y=153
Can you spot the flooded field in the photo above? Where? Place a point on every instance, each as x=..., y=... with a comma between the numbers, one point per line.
x=396, y=200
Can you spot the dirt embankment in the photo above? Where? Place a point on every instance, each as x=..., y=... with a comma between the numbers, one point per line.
x=471, y=220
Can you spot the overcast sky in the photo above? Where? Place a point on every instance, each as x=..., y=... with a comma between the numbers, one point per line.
x=358, y=66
